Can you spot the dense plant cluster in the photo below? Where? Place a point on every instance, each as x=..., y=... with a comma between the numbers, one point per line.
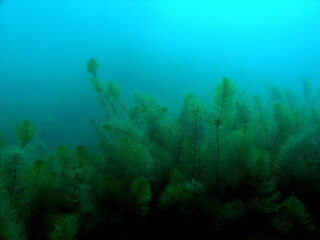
x=237, y=169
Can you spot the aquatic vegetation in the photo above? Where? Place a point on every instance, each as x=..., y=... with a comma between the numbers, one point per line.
x=25, y=131
x=223, y=106
x=239, y=168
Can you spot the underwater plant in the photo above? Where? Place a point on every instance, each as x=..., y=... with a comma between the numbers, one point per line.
x=223, y=111
x=92, y=67
x=25, y=131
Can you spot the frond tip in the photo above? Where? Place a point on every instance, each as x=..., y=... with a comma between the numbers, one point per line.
x=224, y=100
x=92, y=66
x=25, y=131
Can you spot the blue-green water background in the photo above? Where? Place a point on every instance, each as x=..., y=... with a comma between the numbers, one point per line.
x=167, y=48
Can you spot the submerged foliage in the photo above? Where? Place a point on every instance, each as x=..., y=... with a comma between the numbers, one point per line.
x=236, y=169
x=25, y=131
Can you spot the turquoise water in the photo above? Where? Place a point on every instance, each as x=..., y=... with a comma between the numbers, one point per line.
x=168, y=48
x=159, y=120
